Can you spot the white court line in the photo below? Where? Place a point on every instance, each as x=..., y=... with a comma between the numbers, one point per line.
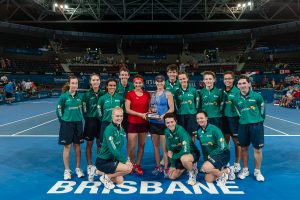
x=282, y=135
x=284, y=120
x=276, y=130
x=27, y=118
x=34, y=127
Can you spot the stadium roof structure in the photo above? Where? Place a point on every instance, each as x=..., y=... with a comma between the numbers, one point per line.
x=160, y=16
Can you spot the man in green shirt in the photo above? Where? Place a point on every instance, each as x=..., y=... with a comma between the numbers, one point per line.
x=124, y=86
x=172, y=84
x=251, y=109
x=231, y=117
x=211, y=99
x=182, y=151
x=111, y=162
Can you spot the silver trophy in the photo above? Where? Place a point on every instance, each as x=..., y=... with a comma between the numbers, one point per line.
x=153, y=112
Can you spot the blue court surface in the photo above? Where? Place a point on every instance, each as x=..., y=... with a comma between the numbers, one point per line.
x=31, y=165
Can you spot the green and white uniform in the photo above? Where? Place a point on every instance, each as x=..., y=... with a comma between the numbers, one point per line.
x=172, y=87
x=186, y=101
x=107, y=103
x=121, y=90
x=90, y=102
x=228, y=106
x=180, y=143
x=211, y=102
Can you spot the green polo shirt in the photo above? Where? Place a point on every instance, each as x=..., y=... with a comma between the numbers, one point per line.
x=112, y=145
x=211, y=102
x=123, y=90
x=186, y=101
x=90, y=101
x=172, y=87
x=179, y=142
x=212, y=141
x=250, y=108
x=228, y=107
x=107, y=103
x=69, y=108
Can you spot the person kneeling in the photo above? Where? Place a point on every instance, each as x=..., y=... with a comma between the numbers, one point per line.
x=111, y=164
x=182, y=151
x=215, y=152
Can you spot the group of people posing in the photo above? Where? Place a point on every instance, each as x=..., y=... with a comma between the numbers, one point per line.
x=175, y=115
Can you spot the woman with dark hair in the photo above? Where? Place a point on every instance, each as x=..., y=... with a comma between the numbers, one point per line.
x=136, y=104
x=215, y=151
x=92, y=123
x=106, y=104
x=69, y=113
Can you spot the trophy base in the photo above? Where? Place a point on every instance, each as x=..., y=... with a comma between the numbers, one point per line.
x=153, y=116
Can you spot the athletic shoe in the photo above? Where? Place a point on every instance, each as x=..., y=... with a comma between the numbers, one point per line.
x=259, y=177
x=92, y=173
x=88, y=169
x=138, y=170
x=221, y=181
x=243, y=173
x=157, y=170
x=192, y=178
x=237, y=167
x=79, y=172
x=166, y=173
x=67, y=174
x=108, y=184
x=231, y=175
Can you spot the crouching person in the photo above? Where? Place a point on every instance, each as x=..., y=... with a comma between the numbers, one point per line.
x=182, y=151
x=111, y=163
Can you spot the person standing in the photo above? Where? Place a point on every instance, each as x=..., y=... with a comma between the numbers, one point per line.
x=172, y=84
x=137, y=105
x=251, y=109
x=211, y=99
x=231, y=117
x=161, y=103
x=69, y=113
x=92, y=123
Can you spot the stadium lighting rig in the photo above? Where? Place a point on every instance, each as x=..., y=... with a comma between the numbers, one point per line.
x=245, y=5
x=59, y=7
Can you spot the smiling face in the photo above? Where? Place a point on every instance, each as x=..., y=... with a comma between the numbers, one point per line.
x=111, y=87
x=117, y=116
x=244, y=86
x=228, y=80
x=183, y=80
x=170, y=123
x=95, y=81
x=160, y=84
x=138, y=84
x=201, y=119
x=172, y=74
x=73, y=85
x=124, y=76
x=209, y=80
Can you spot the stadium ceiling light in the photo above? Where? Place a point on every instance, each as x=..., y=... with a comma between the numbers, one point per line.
x=249, y=3
x=244, y=5
x=61, y=6
x=66, y=6
x=55, y=4
x=239, y=5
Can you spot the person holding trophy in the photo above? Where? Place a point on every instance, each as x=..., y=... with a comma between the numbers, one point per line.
x=160, y=104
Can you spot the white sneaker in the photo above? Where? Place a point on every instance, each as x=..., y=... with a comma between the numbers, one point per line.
x=231, y=175
x=92, y=173
x=88, y=169
x=67, y=174
x=192, y=178
x=221, y=181
x=79, y=172
x=108, y=184
x=237, y=167
x=243, y=173
x=259, y=177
